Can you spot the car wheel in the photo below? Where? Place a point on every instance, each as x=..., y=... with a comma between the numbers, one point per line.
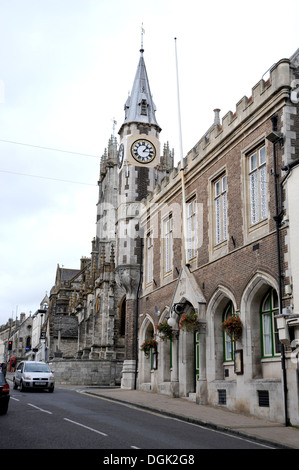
x=22, y=388
x=3, y=410
x=14, y=384
x=51, y=390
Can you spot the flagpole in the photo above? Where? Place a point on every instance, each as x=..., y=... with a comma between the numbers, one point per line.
x=185, y=257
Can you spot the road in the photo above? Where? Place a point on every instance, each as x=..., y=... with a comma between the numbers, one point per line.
x=69, y=418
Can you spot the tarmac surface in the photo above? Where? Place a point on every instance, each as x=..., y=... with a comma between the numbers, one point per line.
x=270, y=433
x=266, y=432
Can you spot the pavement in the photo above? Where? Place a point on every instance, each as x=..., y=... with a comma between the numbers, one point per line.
x=262, y=431
x=266, y=432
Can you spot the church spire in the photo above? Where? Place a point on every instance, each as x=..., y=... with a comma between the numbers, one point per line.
x=140, y=107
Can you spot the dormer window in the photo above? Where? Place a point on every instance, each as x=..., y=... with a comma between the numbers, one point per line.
x=144, y=107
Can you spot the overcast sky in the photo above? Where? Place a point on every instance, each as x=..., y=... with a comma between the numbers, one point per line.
x=66, y=67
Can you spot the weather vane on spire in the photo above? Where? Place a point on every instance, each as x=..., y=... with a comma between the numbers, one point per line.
x=114, y=124
x=142, y=33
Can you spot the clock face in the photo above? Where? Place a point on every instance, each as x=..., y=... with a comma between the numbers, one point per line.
x=143, y=151
x=121, y=155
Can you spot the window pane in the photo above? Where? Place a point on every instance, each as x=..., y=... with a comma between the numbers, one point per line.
x=224, y=217
x=275, y=299
x=218, y=220
x=220, y=208
x=228, y=348
x=267, y=335
x=270, y=339
x=263, y=184
x=228, y=344
x=254, y=198
x=262, y=155
x=253, y=161
x=191, y=229
x=149, y=259
x=258, y=185
x=167, y=254
x=266, y=304
x=168, y=244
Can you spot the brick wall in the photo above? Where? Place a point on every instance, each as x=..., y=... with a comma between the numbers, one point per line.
x=245, y=253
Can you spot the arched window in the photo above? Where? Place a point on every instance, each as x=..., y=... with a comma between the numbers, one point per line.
x=228, y=344
x=28, y=343
x=269, y=333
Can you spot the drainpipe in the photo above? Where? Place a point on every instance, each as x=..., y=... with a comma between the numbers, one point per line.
x=288, y=168
x=137, y=315
x=276, y=137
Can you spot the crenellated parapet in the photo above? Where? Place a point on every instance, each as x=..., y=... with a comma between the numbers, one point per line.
x=223, y=131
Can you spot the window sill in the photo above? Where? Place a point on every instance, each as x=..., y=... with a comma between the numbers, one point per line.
x=256, y=231
x=257, y=225
x=219, y=250
x=271, y=359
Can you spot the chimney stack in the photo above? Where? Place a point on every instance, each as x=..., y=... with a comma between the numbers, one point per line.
x=217, y=116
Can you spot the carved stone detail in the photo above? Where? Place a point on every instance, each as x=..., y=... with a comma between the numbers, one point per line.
x=127, y=277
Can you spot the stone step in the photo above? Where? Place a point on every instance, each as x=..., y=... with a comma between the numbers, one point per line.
x=191, y=397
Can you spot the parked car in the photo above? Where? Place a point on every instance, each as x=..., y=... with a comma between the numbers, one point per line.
x=33, y=375
x=4, y=394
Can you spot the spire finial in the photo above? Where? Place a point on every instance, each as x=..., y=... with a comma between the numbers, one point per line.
x=142, y=33
x=113, y=126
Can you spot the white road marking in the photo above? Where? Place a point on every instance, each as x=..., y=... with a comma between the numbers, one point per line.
x=86, y=427
x=40, y=409
x=13, y=398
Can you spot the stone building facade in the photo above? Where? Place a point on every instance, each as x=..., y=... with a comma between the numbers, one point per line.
x=218, y=243
x=237, y=259
x=16, y=339
x=101, y=297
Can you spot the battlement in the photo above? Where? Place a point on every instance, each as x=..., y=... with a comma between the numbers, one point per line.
x=262, y=92
x=220, y=133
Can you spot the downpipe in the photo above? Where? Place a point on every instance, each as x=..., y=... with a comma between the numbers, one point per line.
x=137, y=314
x=277, y=219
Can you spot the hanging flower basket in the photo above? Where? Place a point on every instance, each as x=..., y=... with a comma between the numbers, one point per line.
x=148, y=345
x=233, y=327
x=164, y=330
x=189, y=322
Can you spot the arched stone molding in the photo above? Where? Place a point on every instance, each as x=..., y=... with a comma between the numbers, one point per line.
x=250, y=316
x=147, y=330
x=164, y=315
x=144, y=330
x=187, y=290
x=215, y=310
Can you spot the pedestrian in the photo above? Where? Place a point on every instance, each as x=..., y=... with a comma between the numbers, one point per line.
x=13, y=365
x=4, y=368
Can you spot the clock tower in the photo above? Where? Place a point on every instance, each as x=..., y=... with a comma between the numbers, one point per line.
x=138, y=160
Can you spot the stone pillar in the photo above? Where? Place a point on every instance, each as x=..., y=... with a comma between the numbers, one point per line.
x=201, y=385
x=127, y=276
x=175, y=365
